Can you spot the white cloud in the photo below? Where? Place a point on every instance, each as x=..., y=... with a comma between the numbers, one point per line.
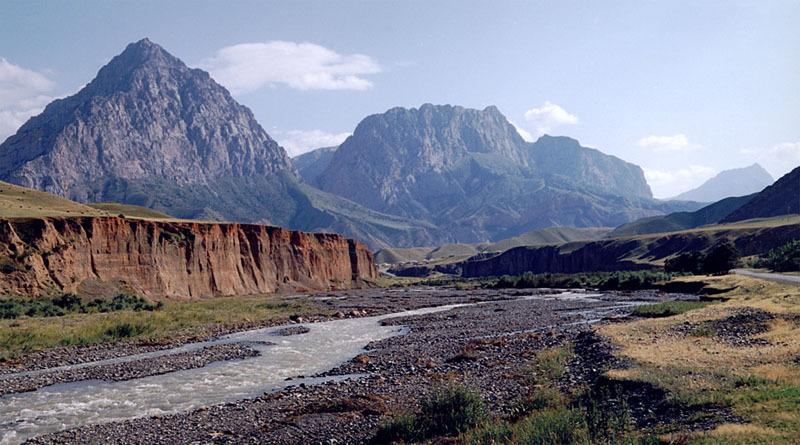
x=549, y=116
x=679, y=142
x=525, y=134
x=666, y=183
x=248, y=67
x=20, y=96
x=297, y=142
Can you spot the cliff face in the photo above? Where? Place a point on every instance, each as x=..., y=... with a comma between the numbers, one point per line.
x=174, y=260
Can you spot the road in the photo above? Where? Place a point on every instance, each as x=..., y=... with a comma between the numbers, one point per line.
x=777, y=277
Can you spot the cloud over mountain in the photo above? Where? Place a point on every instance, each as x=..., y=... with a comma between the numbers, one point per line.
x=21, y=95
x=247, y=67
x=549, y=116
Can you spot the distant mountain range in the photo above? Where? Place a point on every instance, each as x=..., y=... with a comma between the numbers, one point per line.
x=150, y=131
x=735, y=182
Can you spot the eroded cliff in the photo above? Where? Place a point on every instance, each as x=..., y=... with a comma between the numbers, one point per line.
x=174, y=260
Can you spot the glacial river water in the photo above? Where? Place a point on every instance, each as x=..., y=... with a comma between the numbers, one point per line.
x=325, y=346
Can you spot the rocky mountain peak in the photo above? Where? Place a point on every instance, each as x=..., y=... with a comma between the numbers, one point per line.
x=145, y=116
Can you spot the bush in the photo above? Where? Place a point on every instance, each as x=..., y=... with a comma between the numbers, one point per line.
x=689, y=262
x=69, y=303
x=452, y=410
x=783, y=259
x=448, y=410
x=721, y=259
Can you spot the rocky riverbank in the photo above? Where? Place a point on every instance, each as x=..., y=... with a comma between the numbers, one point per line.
x=485, y=346
x=129, y=370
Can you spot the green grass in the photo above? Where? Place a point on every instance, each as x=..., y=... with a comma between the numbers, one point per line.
x=667, y=309
x=181, y=318
x=69, y=303
x=586, y=416
x=447, y=411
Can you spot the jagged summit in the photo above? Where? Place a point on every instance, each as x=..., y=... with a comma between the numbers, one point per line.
x=471, y=172
x=146, y=115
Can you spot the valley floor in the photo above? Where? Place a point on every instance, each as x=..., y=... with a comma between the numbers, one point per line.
x=670, y=369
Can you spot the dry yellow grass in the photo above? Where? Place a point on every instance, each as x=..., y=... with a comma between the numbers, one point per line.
x=21, y=202
x=760, y=383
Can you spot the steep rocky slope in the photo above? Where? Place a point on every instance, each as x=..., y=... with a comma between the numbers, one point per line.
x=173, y=260
x=735, y=182
x=310, y=165
x=145, y=115
x=469, y=172
x=781, y=198
x=152, y=132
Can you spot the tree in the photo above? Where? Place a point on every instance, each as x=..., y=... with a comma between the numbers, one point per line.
x=721, y=259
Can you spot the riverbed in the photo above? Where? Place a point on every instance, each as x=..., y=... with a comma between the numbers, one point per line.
x=280, y=395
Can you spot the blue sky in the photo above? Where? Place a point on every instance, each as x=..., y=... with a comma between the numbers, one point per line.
x=684, y=89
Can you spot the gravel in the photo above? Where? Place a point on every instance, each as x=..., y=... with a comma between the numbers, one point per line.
x=486, y=347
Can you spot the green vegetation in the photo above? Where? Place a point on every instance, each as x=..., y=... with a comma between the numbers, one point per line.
x=783, y=259
x=544, y=415
x=624, y=280
x=718, y=260
x=667, y=309
x=69, y=303
x=447, y=411
x=174, y=319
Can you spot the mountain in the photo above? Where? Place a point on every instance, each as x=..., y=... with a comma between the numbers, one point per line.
x=470, y=173
x=311, y=164
x=736, y=182
x=781, y=198
x=678, y=221
x=152, y=132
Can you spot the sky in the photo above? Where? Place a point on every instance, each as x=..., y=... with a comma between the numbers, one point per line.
x=684, y=89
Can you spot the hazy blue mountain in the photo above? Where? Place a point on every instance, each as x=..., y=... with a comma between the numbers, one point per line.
x=735, y=182
x=781, y=198
x=310, y=165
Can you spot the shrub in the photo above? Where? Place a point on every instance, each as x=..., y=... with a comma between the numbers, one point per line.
x=452, y=410
x=69, y=303
x=783, y=259
x=721, y=259
x=689, y=262
x=448, y=410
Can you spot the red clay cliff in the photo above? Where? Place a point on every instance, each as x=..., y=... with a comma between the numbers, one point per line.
x=174, y=260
